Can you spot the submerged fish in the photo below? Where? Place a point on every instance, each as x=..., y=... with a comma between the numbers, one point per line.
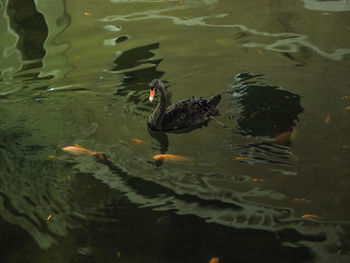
x=253, y=114
x=172, y=157
x=214, y=260
x=78, y=150
x=180, y=3
x=283, y=138
x=53, y=157
x=241, y=158
x=328, y=119
x=311, y=216
x=258, y=180
x=138, y=141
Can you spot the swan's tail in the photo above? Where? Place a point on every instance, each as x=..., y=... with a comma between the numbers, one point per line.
x=215, y=100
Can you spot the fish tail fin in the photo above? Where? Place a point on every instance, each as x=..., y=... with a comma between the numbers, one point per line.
x=100, y=156
x=215, y=100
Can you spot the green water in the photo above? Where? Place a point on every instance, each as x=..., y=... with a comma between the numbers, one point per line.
x=77, y=72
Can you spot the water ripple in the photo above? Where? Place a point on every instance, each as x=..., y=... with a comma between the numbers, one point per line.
x=229, y=208
x=286, y=42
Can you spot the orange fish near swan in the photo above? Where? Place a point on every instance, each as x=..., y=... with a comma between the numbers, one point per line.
x=78, y=150
x=311, y=216
x=172, y=157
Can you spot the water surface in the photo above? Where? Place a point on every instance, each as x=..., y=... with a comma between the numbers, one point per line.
x=78, y=73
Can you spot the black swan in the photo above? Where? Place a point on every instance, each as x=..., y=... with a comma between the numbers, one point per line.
x=182, y=114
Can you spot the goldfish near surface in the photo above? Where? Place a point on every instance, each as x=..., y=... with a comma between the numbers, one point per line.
x=138, y=141
x=78, y=150
x=241, y=158
x=214, y=260
x=172, y=157
x=284, y=138
x=311, y=216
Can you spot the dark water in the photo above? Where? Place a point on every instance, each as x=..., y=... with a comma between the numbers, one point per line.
x=74, y=72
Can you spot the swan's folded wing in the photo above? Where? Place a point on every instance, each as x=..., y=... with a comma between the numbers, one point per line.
x=186, y=113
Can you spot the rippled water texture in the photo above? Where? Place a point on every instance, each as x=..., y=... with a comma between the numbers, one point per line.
x=266, y=181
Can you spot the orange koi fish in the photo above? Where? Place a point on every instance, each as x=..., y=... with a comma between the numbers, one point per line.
x=214, y=260
x=138, y=141
x=311, y=216
x=253, y=114
x=78, y=150
x=241, y=158
x=328, y=119
x=284, y=137
x=172, y=157
x=258, y=180
x=87, y=14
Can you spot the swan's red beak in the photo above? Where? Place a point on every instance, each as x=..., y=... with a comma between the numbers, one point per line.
x=151, y=94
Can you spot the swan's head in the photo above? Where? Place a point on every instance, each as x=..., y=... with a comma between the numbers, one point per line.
x=153, y=86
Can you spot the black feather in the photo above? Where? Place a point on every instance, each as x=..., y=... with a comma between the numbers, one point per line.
x=182, y=114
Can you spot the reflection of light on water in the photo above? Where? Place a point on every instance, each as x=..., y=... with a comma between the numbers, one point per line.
x=286, y=42
x=54, y=61
x=43, y=70
x=206, y=2
x=111, y=28
x=128, y=1
x=28, y=183
x=331, y=6
x=9, y=54
x=292, y=44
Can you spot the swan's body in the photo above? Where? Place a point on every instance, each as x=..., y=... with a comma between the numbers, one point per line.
x=182, y=114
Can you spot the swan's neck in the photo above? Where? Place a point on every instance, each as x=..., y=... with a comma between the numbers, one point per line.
x=157, y=116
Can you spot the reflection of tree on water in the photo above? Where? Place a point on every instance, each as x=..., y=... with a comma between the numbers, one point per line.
x=138, y=68
x=31, y=60
x=29, y=181
x=264, y=111
x=136, y=57
x=31, y=28
x=36, y=25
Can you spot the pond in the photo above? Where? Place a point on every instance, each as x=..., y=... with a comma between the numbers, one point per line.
x=266, y=180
